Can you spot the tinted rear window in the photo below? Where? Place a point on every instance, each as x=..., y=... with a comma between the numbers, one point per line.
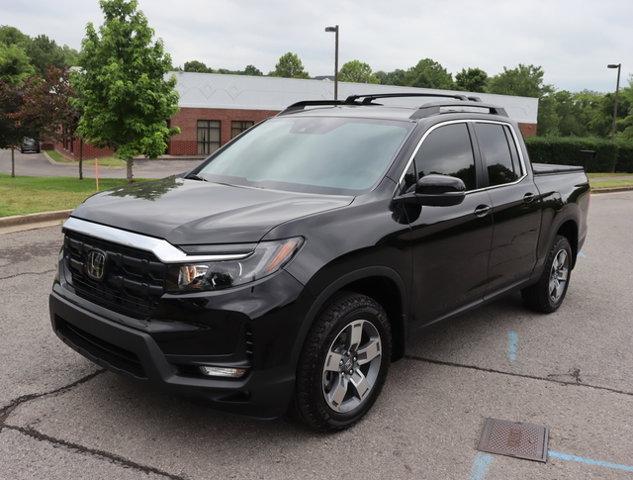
x=495, y=149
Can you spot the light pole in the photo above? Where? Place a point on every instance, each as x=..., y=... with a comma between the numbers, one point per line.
x=615, y=99
x=335, y=30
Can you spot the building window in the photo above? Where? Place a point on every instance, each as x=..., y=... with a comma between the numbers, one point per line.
x=238, y=127
x=208, y=136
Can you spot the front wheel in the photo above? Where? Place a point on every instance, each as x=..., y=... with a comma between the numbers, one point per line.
x=549, y=292
x=344, y=363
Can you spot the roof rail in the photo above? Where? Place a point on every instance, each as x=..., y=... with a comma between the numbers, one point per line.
x=471, y=106
x=367, y=99
x=311, y=103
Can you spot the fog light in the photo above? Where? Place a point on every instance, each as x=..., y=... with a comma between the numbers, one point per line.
x=223, y=371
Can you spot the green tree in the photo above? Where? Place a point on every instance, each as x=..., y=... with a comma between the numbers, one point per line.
x=122, y=92
x=625, y=126
x=14, y=64
x=12, y=36
x=252, y=70
x=547, y=120
x=44, y=52
x=396, y=77
x=196, y=66
x=428, y=73
x=358, y=72
x=524, y=80
x=12, y=130
x=471, y=80
x=289, y=65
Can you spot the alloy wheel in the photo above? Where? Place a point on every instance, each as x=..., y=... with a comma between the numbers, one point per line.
x=559, y=275
x=351, y=366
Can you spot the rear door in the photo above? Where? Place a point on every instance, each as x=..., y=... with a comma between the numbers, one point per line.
x=516, y=208
x=450, y=244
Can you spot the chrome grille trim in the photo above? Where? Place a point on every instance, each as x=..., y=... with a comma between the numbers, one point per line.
x=164, y=251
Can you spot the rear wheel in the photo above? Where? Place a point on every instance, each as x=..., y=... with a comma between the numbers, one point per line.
x=344, y=363
x=549, y=292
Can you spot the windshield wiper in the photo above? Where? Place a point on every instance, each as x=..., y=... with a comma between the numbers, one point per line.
x=194, y=176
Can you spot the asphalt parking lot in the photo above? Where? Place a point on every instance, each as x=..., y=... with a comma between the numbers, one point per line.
x=63, y=418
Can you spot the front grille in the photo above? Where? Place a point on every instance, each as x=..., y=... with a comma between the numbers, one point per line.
x=114, y=355
x=133, y=279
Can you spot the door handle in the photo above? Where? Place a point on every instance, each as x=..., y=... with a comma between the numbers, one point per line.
x=528, y=197
x=482, y=210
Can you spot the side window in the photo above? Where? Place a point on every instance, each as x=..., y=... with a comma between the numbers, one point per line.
x=496, y=153
x=448, y=151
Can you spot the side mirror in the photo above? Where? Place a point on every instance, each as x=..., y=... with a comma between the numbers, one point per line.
x=440, y=190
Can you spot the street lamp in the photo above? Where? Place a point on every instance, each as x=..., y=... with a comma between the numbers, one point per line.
x=335, y=30
x=615, y=99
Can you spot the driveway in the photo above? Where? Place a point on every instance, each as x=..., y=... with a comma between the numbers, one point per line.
x=37, y=165
x=62, y=418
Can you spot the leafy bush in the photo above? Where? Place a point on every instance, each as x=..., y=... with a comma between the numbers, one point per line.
x=569, y=151
x=625, y=157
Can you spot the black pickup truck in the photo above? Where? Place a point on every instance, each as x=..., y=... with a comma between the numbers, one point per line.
x=286, y=272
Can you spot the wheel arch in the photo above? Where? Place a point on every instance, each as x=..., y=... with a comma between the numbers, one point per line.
x=569, y=230
x=381, y=283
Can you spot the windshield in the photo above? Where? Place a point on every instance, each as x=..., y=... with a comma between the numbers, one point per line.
x=310, y=154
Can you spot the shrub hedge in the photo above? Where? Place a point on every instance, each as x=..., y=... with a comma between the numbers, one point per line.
x=625, y=157
x=609, y=156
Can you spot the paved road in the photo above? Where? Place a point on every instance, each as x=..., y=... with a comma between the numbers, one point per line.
x=37, y=165
x=570, y=371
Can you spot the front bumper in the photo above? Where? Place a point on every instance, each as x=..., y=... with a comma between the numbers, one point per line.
x=142, y=351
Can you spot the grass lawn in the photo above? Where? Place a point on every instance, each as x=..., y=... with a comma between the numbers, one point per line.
x=88, y=162
x=610, y=180
x=21, y=195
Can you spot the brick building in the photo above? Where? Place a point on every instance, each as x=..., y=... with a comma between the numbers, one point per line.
x=214, y=107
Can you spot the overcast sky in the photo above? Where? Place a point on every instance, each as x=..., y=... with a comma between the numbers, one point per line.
x=572, y=40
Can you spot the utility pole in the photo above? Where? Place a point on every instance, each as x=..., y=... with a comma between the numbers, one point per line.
x=335, y=30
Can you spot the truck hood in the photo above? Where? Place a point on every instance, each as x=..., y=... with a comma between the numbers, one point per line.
x=188, y=212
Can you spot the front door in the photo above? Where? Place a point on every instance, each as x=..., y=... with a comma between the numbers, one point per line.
x=451, y=244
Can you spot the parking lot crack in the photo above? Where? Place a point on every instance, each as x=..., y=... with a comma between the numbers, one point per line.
x=27, y=273
x=6, y=410
x=573, y=373
x=118, y=459
x=554, y=378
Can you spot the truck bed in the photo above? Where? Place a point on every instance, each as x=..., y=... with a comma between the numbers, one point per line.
x=552, y=168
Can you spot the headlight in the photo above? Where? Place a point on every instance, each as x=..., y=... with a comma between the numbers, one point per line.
x=267, y=258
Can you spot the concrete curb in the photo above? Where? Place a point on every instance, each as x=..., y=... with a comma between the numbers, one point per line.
x=88, y=163
x=33, y=218
x=50, y=159
x=611, y=190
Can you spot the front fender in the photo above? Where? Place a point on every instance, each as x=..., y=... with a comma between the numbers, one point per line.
x=325, y=293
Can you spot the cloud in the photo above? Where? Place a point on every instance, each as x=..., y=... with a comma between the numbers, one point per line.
x=572, y=40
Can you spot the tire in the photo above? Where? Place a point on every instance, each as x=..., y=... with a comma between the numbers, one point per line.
x=548, y=293
x=318, y=402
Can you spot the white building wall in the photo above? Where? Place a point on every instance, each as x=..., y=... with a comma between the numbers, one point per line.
x=242, y=92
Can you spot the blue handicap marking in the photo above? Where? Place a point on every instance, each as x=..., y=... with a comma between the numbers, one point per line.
x=581, y=254
x=480, y=466
x=589, y=461
x=513, y=345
